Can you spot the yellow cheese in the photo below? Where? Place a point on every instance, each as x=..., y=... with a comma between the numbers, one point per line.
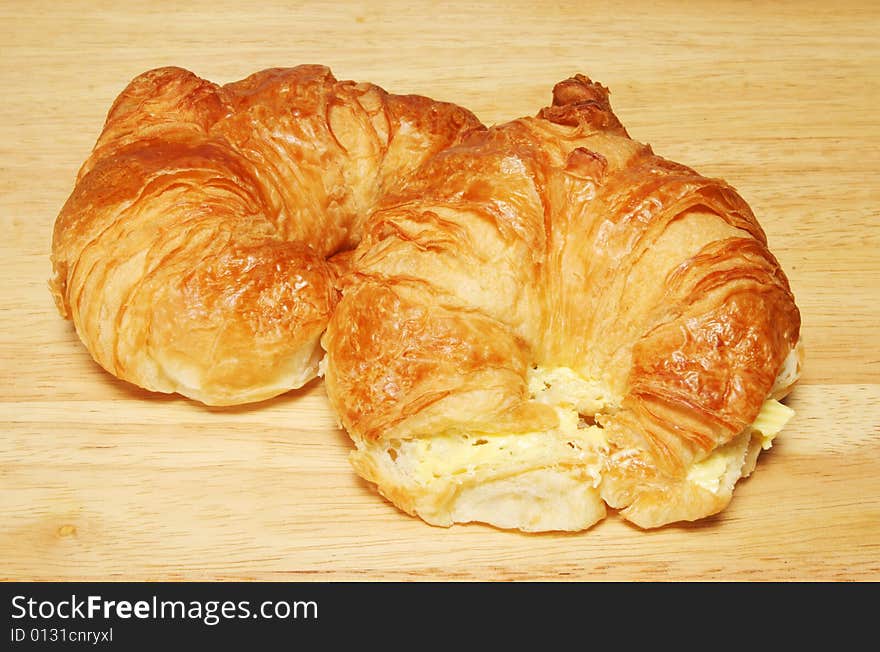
x=450, y=455
x=565, y=388
x=572, y=442
x=708, y=473
x=771, y=419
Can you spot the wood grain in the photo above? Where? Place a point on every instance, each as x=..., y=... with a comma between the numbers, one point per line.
x=99, y=480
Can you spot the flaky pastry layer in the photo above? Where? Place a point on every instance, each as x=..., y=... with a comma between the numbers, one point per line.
x=522, y=323
x=559, y=243
x=195, y=252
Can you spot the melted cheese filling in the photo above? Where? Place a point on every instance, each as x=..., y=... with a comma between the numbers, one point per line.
x=465, y=455
x=565, y=388
x=573, y=442
x=710, y=472
x=771, y=419
x=726, y=459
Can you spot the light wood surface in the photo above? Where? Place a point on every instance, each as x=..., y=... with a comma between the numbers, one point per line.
x=100, y=480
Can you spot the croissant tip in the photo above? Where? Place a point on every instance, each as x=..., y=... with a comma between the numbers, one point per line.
x=579, y=101
x=577, y=89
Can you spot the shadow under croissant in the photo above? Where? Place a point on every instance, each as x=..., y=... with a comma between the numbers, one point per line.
x=269, y=403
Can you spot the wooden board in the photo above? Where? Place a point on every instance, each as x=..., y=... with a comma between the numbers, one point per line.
x=100, y=480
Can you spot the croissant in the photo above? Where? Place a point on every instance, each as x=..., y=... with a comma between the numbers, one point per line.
x=548, y=317
x=195, y=254
x=522, y=323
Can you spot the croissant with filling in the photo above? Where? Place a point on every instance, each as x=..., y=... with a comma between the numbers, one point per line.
x=517, y=325
x=549, y=317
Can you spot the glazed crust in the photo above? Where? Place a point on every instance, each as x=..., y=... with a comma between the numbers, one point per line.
x=558, y=241
x=192, y=255
x=216, y=232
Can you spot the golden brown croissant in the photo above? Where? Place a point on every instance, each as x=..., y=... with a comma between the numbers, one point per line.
x=192, y=254
x=540, y=317
x=548, y=317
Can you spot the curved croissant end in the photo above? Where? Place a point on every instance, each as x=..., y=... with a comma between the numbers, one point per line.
x=193, y=253
x=539, y=319
x=549, y=317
